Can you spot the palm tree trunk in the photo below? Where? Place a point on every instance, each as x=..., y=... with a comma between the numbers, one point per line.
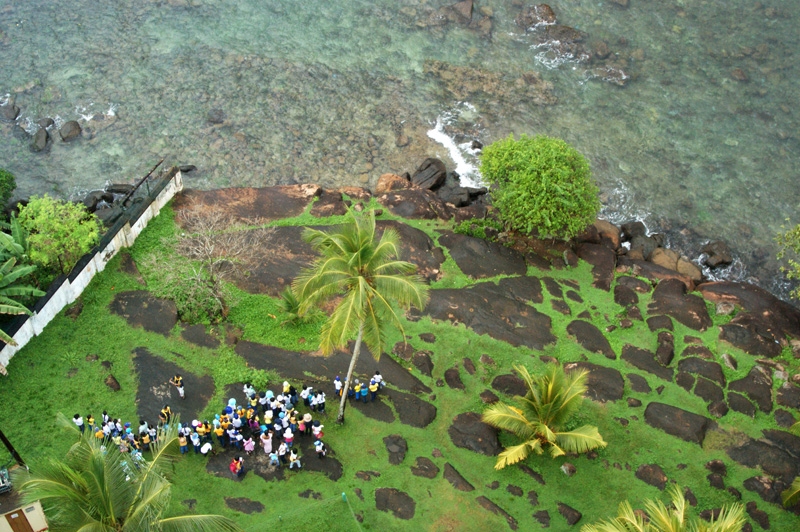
x=346, y=387
x=11, y=450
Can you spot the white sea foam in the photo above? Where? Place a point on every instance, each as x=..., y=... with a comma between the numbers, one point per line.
x=4, y=99
x=468, y=171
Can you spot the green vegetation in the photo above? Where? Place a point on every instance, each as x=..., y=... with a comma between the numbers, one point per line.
x=372, y=280
x=8, y=184
x=669, y=519
x=792, y=494
x=476, y=227
x=542, y=184
x=52, y=370
x=59, y=232
x=551, y=400
x=789, y=243
x=92, y=489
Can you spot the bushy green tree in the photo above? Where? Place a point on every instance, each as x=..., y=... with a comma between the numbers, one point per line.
x=8, y=184
x=542, y=184
x=541, y=415
x=59, y=232
x=789, y=243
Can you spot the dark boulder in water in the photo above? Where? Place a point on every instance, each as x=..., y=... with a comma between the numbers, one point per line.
x=70, y=131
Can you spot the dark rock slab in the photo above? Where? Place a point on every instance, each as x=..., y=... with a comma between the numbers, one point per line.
x=602, y=384
x=244, y=505
x=310, y=494
x=543, y=517
x=427, y=337
x=739, y=403
x=653, y=271
x=665, y=351
x=569, y=513
x=398, y=502
x=788, y=395
x=574, y=296
x=759, y=516
x=604, y=261
x=523, y=289
x=378, y=409
x=112, y=382
x=646, y=361
x=455, y=478
x=142, y=309
x=366, y=476
x=553, y=287
x=154, y=391
x=670, y=298
x=492, y=507
x=533, y=498
x=590, y=338
x=70, y=131
x=330, y=203
x=531, y=473
x=514, y=490
x=677, y=422
x=655, y=323
x=510, y=384
x=453, y=379
x=685, y=380
x=637, y=285
x=652, y=474
x=250, y=205
x=469, y=432
x=767, y=488
x=772, y=460
x=786, y=441
x=416, y=247
x=430, y=174
x=757, y=385
x=486, y=309
x=708, y=391
x=424, y=467
x=717, y=466
x=411, y=410
x=752, y=334
x=710, y=370
x=489, y=397
x=294, y=365
x=469, y=366
x=698, y=351
x=416, y=203
x=625, y=296
x=783, y=318
x=784, y=419
x=397, y=447
x=559, y=305
x=197, y=335
x=638, y=383
x=480, y=258
x=422, y=361
x=716, y=481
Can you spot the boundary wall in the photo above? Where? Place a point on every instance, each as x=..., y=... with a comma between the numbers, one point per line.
x=66, y=288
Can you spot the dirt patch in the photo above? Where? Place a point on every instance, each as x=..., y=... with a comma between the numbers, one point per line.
x=155, y=391
x=244, y=505
x=142, y=309
x=250, y=205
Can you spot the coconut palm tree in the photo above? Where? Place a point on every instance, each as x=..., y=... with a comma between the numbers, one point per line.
x=669, y=519
x=791, y=494
x=95, y=489
x=549, y=403
x=371, y=281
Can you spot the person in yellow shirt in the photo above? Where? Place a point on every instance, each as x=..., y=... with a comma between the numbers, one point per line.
x=373, y=389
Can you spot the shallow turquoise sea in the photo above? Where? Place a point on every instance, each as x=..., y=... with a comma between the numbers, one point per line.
x=701, y=142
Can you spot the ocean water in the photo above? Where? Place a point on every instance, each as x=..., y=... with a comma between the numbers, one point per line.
x=701, y=141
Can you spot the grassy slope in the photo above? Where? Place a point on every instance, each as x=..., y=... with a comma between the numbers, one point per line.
x=37, y=388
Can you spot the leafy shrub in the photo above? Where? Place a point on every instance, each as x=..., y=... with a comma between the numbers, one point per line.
x=789, y=243
x=542, y=184
x=8, y=184
x=476, y=227
x=59, y=232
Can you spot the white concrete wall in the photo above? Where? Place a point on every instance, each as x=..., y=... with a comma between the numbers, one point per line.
x=69, y=291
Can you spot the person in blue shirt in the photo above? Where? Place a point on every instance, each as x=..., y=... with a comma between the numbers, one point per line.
x=364, y=392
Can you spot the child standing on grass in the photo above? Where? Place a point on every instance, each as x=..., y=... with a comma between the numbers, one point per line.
x=294, y=458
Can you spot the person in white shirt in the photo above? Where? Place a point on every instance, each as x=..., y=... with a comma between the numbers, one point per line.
x=78, y=420
x=337, y=385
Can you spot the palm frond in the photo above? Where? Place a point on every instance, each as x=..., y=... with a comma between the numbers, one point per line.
x=517, y=453
x=626, y=521
x=198, y=523
x=580, y=440
x=731, y=519
x=790, y=495
x=513, y=420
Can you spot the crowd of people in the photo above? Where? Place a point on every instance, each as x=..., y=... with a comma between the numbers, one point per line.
x=262, y=419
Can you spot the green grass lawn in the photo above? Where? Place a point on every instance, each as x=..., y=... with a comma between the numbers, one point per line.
x=51, y=374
